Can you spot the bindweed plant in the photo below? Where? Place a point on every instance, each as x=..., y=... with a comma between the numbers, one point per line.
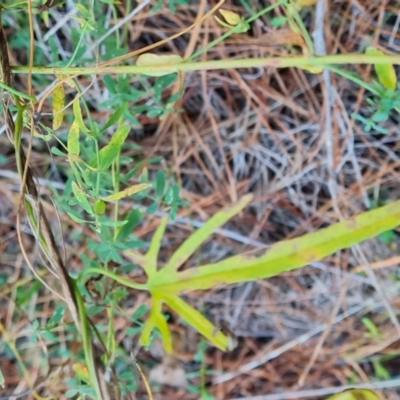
x=99, y=181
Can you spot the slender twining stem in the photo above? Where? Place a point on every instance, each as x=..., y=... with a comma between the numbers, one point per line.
x=118, y=278
x=277, y=62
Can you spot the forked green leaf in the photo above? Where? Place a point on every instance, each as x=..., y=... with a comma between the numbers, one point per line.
x=156, y=319
x=109, y=152
x=189, y=246
x=197, y=321
x=282, y=256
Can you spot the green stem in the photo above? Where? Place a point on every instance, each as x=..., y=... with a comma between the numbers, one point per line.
x=277, y=62
x=354, y=78
x=17, y=93
x=123, y=281
x=86, y=341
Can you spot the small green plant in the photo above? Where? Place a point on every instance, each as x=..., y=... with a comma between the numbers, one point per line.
x=386, y=96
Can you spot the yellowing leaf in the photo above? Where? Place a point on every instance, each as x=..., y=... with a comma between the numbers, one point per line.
x=81, y=198
x=385, y=72
x=76, y=107
x=82, y=372
x=154, y=60
x=127, y=192
x=58, y=105
x=73, y=139
x=99, y=207
x=231, y=17
x=355, y=394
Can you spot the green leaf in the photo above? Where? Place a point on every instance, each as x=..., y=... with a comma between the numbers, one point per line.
x=77, y=219
x=99, y=207
x=380, y=371
x=58, y=106
x=133, y=218
x=282, y=256
x=56, y=317
x=76, y=107
x=2, y=381
x=385, y=72
x=81, y=197
x=139, y=312
x=25, y=293
x=109, y=152
x=160, y=183
x=152, y=208
x=189, y=246
x=114, y=118
x=73, y=139
x=57, y=152
x=387, y=237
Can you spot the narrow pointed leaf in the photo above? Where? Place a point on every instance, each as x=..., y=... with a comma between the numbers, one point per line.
x=146, y=331
x=156, y=319
x=81, y=198
x=283, y=256
x=152, y=254
x=163, y=328
x=114, y=118
x=76, y=107
x=197, y=321
x=190, y=245
x=127, y=192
